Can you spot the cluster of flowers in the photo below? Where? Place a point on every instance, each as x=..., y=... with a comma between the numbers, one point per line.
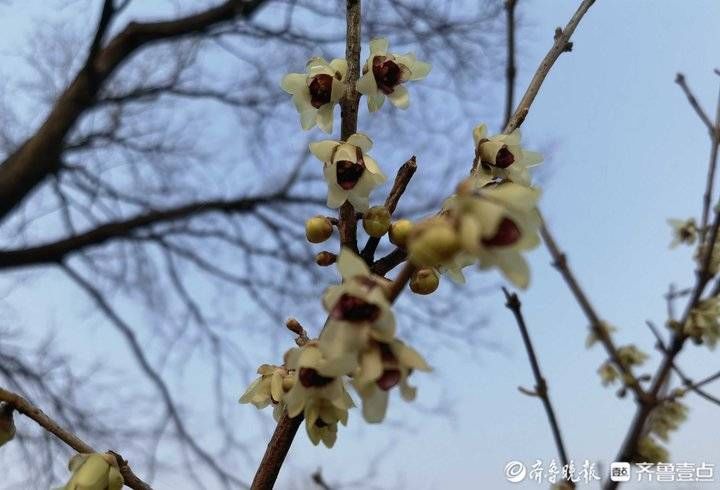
x=358, y=341
x=490, y=221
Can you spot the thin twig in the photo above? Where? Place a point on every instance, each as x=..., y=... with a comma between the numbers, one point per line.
x=510, y=64
x=541, y=388
x=703, y=277
x=714, y=130
x=26, y=408
x=687, y=382
x=561, y=45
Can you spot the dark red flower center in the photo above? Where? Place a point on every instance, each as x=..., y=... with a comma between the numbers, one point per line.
x=320, y=90
x=353, y=309
x=504, y=158
x=389, y=378
x=388, y=74
x=310, y=378
x=507, y=234
x=348, y=173
x=320, y=423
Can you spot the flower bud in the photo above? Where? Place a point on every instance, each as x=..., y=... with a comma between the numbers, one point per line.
x=433, y=243
x=376, y=221
x=94, y=472
x=424, y=281
x=324, y=259
x=318, y=229
x=399, y=232
x=7, y=425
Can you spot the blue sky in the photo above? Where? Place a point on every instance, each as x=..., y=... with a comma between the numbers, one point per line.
x=627, y=153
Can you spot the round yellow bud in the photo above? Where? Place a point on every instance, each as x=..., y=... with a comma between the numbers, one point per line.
x=424, y=281
x=376, y=221
x=318, y=229
x=433, y=243
x=399, y=232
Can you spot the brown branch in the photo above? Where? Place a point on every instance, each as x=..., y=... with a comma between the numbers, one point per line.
x=32, y=412
x=561, y=45
x=402, y=178
x=385, y=264
x=38, y=156
x=686, y=381
x=511, y=69
x=680, y=80
x=541, y=387
x=55, y=252
x=703, y=277
x=287, y=427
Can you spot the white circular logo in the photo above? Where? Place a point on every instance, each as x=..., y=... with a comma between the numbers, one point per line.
x=515, y=471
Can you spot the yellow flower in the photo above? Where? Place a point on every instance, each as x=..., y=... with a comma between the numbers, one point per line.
x=269, y=388
x=496, y=223
x=385, y=73
x=503, y=157
x=351, y=174
x=321, y=421
x=684, y=232
x=94, y=472
x=703, y=323
x=358, y=312
x=312, y=382
x=316, y=92
x=382, y=367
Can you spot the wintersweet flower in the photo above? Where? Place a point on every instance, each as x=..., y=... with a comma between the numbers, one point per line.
x=313, y=383
x=269, y=388
x=382, y=367
x=316, y=92
x=502, y=156
x=703, y=323
x=351, y=173
x=94, y=472
x=496, y=224
x=684, y=231
x=358, y=312
x=321, y=421
x=385, y=73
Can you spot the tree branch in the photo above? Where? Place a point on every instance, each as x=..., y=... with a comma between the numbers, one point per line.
x=561, y=45
x=39, y=156
x=32, y=412
x=55, y=252
x=510, y=64
x=541, y=388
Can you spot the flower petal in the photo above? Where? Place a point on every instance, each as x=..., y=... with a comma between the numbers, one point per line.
x=340, y=65
x=378, y=46
x=367, y=85
x=419, y=70
x=293, y=83
x=324, y=117
x=375, y=102
x=361, y=140
x=375, y=405
x=323, y=150
x=400, y=97
x=351, y=265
